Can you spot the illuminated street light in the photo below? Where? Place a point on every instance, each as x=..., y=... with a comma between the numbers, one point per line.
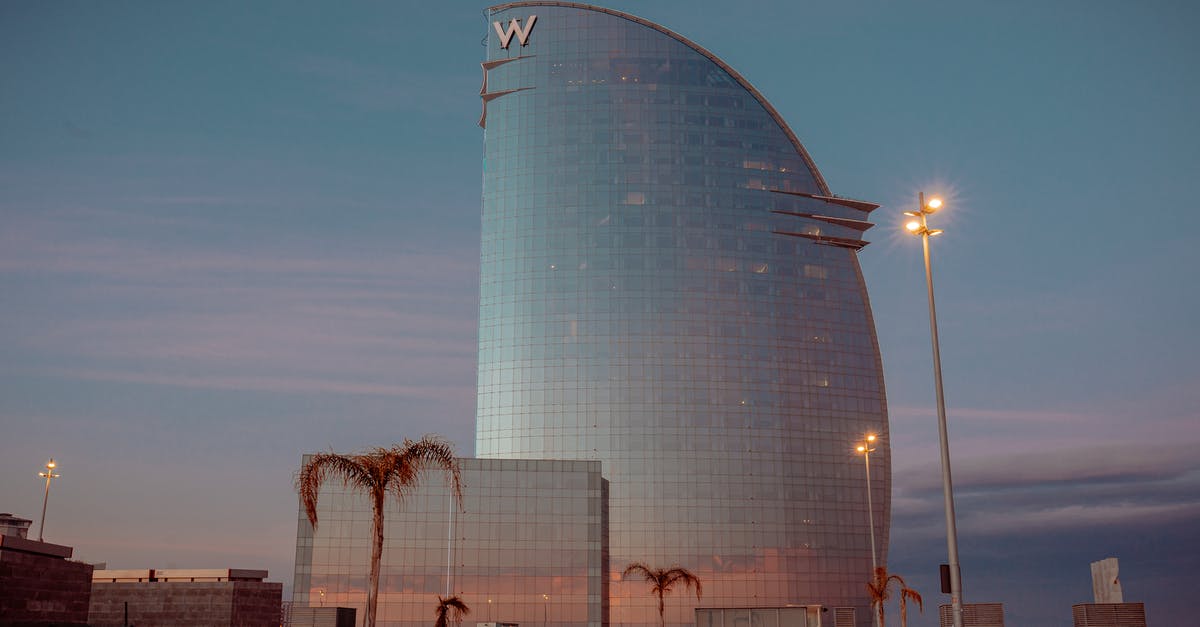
x=866, y=449
x=49, y=474
x=921, y=228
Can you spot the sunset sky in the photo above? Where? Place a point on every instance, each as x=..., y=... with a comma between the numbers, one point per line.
x=232, y=233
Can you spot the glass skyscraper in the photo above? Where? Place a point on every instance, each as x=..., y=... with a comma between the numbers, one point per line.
x=670, y=287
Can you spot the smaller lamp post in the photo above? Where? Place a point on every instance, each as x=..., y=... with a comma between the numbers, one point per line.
x=866, y=448
x=49, y=474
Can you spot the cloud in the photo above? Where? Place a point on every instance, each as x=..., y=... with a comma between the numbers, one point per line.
x=284, y=384
x=1078, y=516
x=1071, y=488
x=1109, y=463
x=108, y=296
x=988, y=415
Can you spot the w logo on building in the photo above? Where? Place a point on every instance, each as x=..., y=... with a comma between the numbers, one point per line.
x=514, y=28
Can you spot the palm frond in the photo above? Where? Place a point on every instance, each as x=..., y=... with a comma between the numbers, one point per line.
x=451, y=609
x=639, y=568
x=879, y=585
x=411, y=459
x=324, y=466
x=675, y=574
x=913, y=595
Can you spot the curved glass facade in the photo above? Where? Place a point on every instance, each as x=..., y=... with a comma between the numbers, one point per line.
x=668, y=287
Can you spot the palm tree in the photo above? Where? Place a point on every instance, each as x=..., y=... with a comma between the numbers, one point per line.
x=377, y=472
x=450, y=610
x=662, y=580
x=880, y=589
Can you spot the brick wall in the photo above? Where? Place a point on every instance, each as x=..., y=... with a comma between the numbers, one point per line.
x=186, y=604
x=42, y=590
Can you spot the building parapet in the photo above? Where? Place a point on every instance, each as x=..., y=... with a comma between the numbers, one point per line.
x=194, y=575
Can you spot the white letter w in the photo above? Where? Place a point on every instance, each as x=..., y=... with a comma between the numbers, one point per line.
x=514, y=28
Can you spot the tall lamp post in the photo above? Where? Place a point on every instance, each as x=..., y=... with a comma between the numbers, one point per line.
x=49, y=474
x=920, y=226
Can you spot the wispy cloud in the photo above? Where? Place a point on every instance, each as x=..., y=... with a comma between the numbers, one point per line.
x=985, y=415
x=290, y=385
x=1076, y=487
x=1113, y=462
x=288, y=316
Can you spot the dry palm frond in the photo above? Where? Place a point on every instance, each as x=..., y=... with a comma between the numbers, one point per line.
x=450, y=610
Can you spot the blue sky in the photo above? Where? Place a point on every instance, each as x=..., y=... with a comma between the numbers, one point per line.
x=231, y=233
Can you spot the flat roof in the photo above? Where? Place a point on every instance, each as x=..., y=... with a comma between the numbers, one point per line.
x=178, y=574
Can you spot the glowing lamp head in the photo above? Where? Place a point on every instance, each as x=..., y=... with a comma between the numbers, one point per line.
x=913, y=226
x=870, y=438
x=861, y=449
x=933, y=205
x=51, y=464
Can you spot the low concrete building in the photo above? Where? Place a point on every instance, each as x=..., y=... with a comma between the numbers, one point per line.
x=228, y=597
x=39, y=585
x=1109, y=615
x=323, y=617
x=12, y=526
x=789, y=616
x=974, y=615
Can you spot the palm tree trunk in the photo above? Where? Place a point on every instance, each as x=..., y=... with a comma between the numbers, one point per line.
x=880, y=606
x=376, y=555
x=662, y=621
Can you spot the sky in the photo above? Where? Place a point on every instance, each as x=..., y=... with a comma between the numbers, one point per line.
x=232, y=233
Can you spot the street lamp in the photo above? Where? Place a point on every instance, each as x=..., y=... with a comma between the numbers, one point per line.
x=546, y=610
x=866, y=448
x=920, y=226
x=49, y=474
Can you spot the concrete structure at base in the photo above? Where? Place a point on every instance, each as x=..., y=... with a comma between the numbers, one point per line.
x=1109, y=615
x=184, y=598
x=974, y=615
x=790, y=616
x=322, y=617
x=527, y=547
x=39, y=585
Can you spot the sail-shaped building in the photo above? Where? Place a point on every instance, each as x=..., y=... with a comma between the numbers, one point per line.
x=669, y=286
